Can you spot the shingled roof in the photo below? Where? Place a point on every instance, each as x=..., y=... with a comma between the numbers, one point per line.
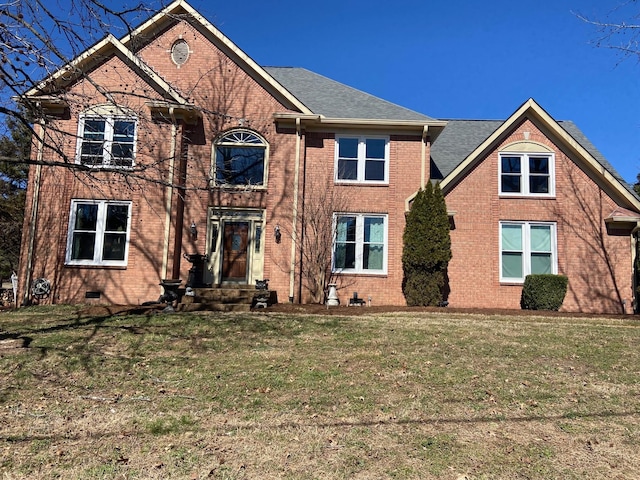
x=456, y=142
x=461, y=137
x=333, y=99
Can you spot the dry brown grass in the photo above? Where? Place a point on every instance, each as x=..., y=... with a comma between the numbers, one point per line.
x=412, y=395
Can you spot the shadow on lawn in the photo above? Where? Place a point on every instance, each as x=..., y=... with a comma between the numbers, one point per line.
x=377, y=423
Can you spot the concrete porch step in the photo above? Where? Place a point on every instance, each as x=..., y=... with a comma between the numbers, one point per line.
x=214, y=307
x=234, y=298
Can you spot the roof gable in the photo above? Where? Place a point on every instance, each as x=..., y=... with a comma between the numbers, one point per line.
x=449, y=152
x=180, y=9
x=129, y=44
x=297, y=89
x=96, y=55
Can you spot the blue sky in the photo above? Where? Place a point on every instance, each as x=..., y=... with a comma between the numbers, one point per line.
x=456, y=58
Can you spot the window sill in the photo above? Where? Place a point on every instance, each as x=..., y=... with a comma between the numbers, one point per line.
x=355, y=273
x=96, y=266
x=107, y=168
x=355, y=183
x=527, y=196
x=239, y=188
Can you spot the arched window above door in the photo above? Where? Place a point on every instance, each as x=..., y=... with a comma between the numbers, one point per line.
x=240, y=159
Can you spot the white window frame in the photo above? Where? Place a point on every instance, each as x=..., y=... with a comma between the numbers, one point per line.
x=99, y=233
x=526, y=248
x=359, y=244
x=361, y=159
x=241, y=138
x=108, y=140
x=525, y=174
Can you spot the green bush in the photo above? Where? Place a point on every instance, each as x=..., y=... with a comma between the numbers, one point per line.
x=543, y=292
x=426, y=249
x=424, y=288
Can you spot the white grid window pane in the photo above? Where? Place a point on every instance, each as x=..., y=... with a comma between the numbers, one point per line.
x=540, y=238
x=512, y=265
x=512, y=237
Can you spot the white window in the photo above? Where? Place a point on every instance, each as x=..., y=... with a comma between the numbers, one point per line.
x=240, y=159
x=527, y=174
x=360, y=243
x=107, y=141
x=362, y=159
x=527, y=248
x=98, y=233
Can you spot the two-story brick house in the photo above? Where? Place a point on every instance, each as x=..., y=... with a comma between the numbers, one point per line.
x=179, y=143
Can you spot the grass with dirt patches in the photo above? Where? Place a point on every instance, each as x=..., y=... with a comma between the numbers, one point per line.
x=268, y=395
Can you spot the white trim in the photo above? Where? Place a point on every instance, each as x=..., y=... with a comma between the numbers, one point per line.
x=238, y=142
x=361, y=159
x=525, y=174
x=526, y=248
x=99, y=234
x=217, y=219
x=359, y=244
x=108, y=140
x=97, y=53
x=216, y=37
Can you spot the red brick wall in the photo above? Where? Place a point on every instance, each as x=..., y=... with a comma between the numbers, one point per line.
x=598, y=265
x=229, y=98
x=404, y=179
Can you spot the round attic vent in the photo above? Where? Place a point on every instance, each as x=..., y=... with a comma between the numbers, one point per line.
x=179, y=52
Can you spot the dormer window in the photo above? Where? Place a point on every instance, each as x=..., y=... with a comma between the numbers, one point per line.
x=106, y=139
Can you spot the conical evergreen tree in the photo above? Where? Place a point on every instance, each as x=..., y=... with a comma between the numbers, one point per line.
x=427, y=248
x=14, y=169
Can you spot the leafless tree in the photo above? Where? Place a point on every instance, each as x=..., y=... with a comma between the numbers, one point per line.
x=322, y=201
x=618, y=29
x=39, y=37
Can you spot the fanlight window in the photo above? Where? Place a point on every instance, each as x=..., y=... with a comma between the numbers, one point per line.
x=240, y=159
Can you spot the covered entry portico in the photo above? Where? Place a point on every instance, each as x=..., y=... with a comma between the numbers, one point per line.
x=236, y=246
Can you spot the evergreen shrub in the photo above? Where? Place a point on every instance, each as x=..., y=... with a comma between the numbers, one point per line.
x=426, y=249
x=543, y=292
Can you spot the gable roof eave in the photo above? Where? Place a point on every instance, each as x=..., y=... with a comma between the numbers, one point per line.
x=226, y=45
x=320, y=121
x=90, y=57
x=531, y=109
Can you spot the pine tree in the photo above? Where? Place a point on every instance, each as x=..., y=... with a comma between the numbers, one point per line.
x=14, y=169
x=427, y=249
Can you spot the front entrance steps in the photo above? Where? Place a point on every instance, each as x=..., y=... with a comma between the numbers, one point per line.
x=226, y=298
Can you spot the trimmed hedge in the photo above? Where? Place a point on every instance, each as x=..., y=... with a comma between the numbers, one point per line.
x=543, y=292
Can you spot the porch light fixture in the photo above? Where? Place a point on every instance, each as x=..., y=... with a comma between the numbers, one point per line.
x=277, y=234
x=194, y=230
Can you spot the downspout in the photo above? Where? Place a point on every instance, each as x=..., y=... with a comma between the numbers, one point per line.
x=34, y=214
x=294, y=226
x=303, y=229
x=423, y=170
x=169, y=199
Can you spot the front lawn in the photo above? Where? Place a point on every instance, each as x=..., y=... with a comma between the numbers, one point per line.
x=411, y=395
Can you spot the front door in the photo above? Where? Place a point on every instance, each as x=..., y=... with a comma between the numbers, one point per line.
x=235, y=241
